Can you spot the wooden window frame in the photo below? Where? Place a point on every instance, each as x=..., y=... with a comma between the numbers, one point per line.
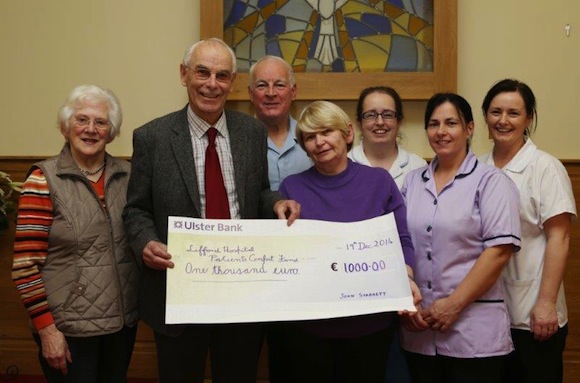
x=347, y=86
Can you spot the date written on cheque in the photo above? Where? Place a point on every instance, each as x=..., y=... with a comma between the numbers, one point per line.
x=359, y=245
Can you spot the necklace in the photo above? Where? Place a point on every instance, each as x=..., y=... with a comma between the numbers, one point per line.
x=88, y=173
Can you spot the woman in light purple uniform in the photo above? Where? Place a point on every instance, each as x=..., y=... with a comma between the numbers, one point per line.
x=463, y=220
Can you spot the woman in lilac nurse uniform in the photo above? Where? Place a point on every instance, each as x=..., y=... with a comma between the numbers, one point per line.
x=463, y=219
x=533, y=279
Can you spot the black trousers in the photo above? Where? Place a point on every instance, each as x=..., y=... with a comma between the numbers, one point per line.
x=444, y=369
x=234, y=351
x=534, y=361
x=95, y=359
x=307, y=358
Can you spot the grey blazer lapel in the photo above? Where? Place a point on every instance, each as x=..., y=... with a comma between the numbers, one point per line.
x=239, y=146
x=183, y=151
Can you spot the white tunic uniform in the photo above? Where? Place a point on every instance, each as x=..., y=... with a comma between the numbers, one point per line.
x=545, y=192
x=404, y=163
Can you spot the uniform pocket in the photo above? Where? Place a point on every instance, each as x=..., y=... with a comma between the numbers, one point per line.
x=520, y=299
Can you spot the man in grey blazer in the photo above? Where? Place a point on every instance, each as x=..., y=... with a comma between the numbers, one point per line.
x=168, y=179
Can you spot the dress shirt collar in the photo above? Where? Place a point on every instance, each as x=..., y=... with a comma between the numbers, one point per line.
x=292, y=128
x=199, y=127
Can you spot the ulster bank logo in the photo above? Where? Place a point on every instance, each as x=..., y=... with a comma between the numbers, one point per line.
x=178, y=224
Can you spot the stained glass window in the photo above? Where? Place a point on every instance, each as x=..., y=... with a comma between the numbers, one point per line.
x=333, y=35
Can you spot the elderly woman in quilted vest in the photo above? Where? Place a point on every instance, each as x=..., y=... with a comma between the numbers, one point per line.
x=72, y=265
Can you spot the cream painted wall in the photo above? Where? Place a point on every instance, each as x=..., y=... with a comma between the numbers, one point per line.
x=524, y=40
x=134, y=47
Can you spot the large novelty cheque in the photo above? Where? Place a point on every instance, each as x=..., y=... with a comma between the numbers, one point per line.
x=234, y=271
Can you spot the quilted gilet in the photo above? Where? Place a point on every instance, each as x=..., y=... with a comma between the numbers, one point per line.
x=91, y=277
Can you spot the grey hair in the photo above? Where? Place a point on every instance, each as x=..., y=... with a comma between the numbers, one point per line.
x=274, y=58
x=93, y=94
x=211, y=41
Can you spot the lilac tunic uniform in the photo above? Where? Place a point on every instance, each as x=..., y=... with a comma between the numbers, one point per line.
x=476, y=210
x=358, y=193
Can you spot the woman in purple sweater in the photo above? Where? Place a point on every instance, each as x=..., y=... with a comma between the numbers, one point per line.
x=352, y=349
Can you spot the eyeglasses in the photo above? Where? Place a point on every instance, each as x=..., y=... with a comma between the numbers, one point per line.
x=99, y=123
x=385, y=114
x=202, y=73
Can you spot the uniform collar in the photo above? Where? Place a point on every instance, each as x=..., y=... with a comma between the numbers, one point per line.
x=522, y=158
x=467, y=167
x=400, y=162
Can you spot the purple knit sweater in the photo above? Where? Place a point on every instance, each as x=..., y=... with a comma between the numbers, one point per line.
x=358, y=193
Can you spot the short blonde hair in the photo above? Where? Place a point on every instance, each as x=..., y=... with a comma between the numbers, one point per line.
x=321, y=115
